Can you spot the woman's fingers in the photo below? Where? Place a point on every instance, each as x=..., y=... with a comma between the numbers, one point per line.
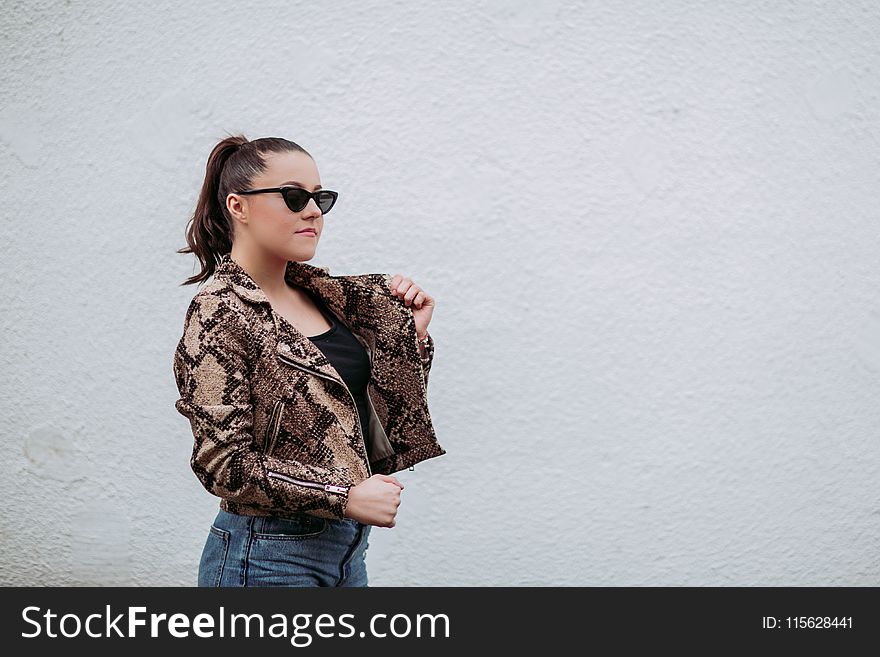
x=404, y=288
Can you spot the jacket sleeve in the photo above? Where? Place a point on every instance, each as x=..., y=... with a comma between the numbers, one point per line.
x=429, y=356
x=385, y=279
x=212, y=368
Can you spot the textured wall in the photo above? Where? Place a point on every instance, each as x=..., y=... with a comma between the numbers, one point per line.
x=651, y=229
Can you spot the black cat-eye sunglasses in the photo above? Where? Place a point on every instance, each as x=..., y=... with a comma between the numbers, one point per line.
x=297, y=197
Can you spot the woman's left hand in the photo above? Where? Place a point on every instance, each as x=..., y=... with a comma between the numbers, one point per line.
x=421, y=303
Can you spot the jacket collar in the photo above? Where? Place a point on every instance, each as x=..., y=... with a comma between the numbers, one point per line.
x=346, y=297
x=298, y=273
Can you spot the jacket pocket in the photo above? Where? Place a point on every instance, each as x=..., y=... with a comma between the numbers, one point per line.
x=273, y=426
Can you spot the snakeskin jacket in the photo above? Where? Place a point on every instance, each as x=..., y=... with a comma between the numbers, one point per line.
x=276, y=430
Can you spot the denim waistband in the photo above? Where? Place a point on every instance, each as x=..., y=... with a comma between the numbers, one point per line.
x=239, y=521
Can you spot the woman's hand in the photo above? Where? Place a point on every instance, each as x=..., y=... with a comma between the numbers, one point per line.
x=374, y=501
x=414, y=296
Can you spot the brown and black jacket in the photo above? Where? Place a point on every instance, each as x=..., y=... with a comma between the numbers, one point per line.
x=276, y=429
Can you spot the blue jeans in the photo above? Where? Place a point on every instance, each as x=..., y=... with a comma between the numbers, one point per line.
x=294, y=550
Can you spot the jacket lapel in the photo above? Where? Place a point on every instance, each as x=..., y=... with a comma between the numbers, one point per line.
x=349, y=298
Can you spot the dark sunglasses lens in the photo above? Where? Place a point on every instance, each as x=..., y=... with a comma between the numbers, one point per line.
x=296, y=199
x=325, y=200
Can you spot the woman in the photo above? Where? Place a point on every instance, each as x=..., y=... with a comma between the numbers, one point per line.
x=304, y=391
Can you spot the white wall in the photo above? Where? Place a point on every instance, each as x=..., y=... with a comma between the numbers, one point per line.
x=651, y=229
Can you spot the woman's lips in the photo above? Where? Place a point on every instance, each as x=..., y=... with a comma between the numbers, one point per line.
x=307, y=231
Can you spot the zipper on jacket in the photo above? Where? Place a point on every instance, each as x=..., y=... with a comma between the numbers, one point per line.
x=311, y=484
x=367, y=393
x=370, y=354
x=353, y=402
x=273, y=426
x=367, y=390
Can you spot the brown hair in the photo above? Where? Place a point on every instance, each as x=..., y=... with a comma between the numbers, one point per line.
x=231, y=167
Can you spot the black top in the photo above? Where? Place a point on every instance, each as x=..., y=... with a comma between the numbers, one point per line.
x=348, y=357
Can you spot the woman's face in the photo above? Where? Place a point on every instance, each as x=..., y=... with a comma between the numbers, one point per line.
x=271, y=224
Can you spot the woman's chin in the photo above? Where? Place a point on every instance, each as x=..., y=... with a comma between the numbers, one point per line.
x=301, y=255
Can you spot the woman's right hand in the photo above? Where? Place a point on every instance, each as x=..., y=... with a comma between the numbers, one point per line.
x=374, y=501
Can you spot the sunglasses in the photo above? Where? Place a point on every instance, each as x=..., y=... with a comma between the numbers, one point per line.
x=297, y=198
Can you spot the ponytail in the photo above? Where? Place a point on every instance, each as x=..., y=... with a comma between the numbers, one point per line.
x=231, y=166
